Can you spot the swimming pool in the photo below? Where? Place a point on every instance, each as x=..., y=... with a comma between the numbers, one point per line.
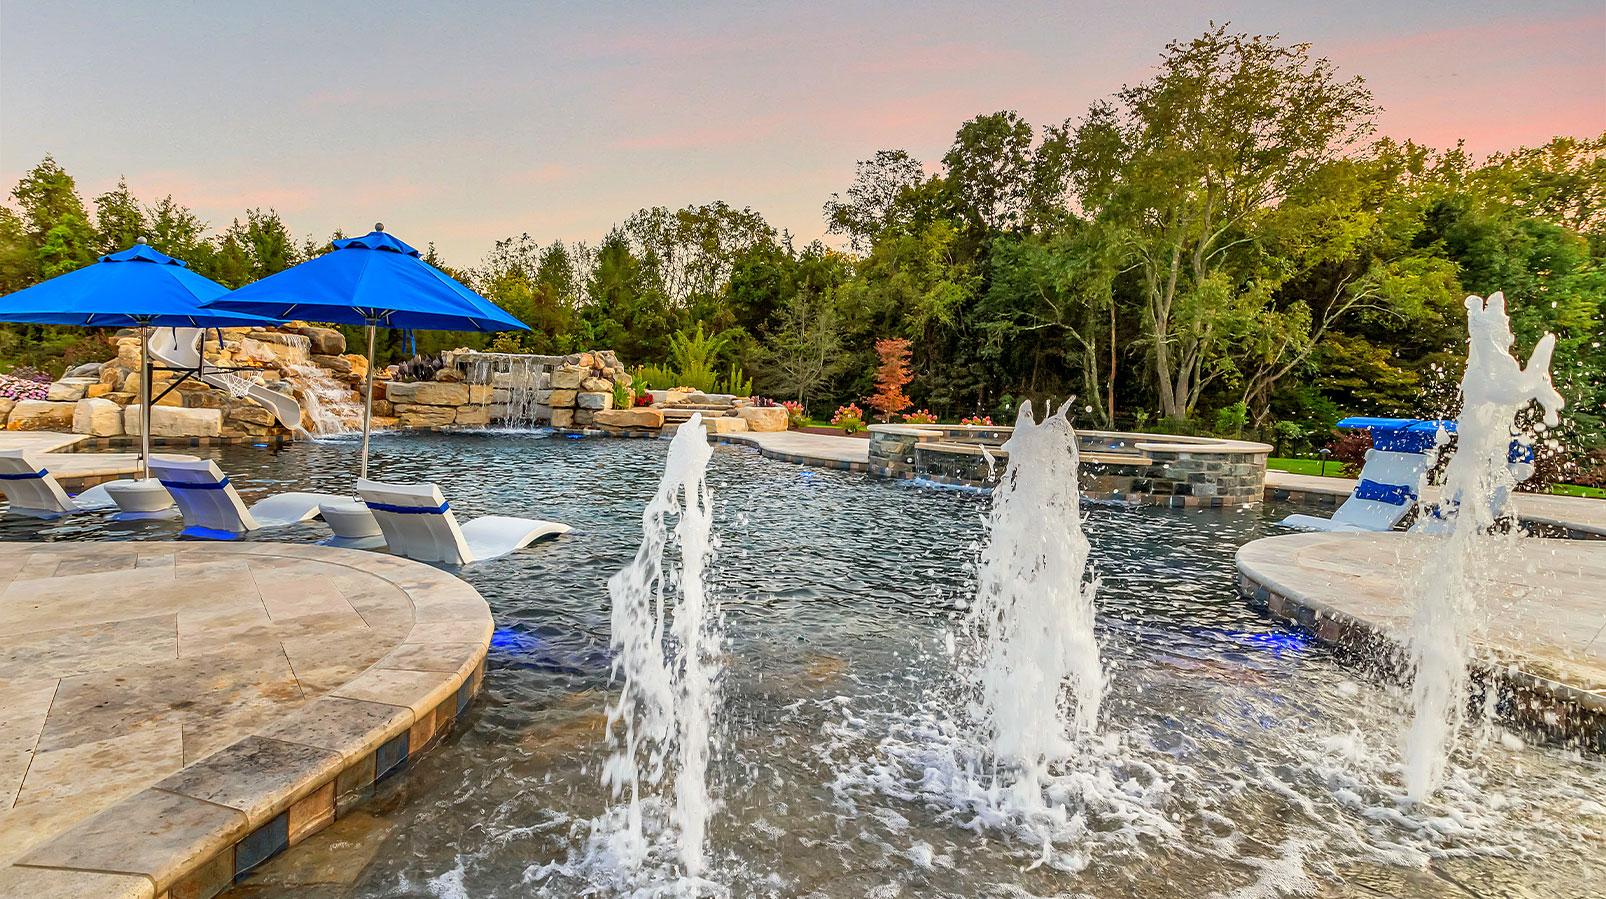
x=1239, y=756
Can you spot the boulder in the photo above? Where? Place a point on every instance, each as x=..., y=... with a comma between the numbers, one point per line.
x=583, y=417
x=96, y=390
x=337, y=364
x=248, y=412
x=562, y=418
x=725, y=424
x=594, y=385
x=204, y=399
x=413, y=415
x=640, y=417
x=426, y=393
x=763, y=418
x=567, y=378
x=473, y=415
x=113, y=374
x=668, y=397
x=127, y=353
x=97, y=418
x=542, y=413
x=6, y=404
x=560, y=399
x=326, y=341
x=449, y=375
x=383, y=407
x=594, y=401
x=480, y=393
x=90, y=370
x=622, y=378
x=70, y=390
x=40, y=415
x=167, y=421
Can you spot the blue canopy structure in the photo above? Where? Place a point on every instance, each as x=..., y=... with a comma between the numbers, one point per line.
x=1401, y=435
x=375, y=280
x=139, y=287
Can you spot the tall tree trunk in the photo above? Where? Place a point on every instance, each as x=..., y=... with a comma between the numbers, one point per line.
x=1109, y=389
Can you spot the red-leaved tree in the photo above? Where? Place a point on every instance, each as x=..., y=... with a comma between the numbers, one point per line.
x=890, y=377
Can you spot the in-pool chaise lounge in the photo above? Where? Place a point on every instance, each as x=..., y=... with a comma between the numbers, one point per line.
x=32, y=490
x=1391, y=480
x=418, y=523
x=213, y=508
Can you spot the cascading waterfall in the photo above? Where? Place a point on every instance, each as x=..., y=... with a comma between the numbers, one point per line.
x=330, y=404
x=1035, y=661
x=666, y=637
x=1446, y=593
x=515, y=378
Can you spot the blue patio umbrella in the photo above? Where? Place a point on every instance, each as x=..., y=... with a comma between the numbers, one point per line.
x=374, y=280
x=139, y=287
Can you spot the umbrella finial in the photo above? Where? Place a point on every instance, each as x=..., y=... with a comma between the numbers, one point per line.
x=379, y=226
x=142, y=239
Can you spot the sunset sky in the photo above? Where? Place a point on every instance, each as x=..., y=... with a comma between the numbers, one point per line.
x=463, y=125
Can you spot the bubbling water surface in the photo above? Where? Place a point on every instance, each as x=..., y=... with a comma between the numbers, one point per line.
x=1233, y=756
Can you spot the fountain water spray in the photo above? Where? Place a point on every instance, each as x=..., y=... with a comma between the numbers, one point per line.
x=1032, y=621
x=663, y=723
x=1445, y=592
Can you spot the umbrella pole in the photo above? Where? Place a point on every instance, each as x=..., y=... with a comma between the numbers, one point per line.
x=144, y=403
x=367, y=402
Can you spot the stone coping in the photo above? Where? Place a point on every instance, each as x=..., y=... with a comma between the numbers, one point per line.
x=172, y=714
x=997, y=452
x=1159, y=443
x=1545, y=638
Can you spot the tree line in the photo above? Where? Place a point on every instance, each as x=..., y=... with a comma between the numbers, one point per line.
x=1225, y=246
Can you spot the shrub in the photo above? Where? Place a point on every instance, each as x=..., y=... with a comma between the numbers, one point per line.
x=1231, y=419
x=693, y=357
x=796, y=415
x=736, y=382
x=920, y=417
x=849, y=418
x=890, y=377
x=986, y=420
x=623, y=397
x=419, y=368
x=15, y=388
x=1349, y=449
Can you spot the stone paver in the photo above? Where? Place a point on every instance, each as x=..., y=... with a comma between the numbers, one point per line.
x=803, y=448
x=172, y=713
x=1543, y=612
x=1575, y=513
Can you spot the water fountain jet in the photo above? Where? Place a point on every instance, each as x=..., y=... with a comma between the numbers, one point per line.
x=1035, y=665
x=666, y=637
x=1446, y=591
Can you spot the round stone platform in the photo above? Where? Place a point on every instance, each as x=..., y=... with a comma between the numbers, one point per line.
x=173, y=714
x=1545, y=638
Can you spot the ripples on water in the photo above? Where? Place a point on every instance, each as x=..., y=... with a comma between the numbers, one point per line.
x=1240, y=759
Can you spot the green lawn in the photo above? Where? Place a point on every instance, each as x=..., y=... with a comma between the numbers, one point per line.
x=1576, y=490
x=1335, y=470
x=1307, y=466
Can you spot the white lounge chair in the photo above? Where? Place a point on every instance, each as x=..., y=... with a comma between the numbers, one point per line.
x=418, y=523
x=213, y=508
x=1387, y=491
x=32, y=490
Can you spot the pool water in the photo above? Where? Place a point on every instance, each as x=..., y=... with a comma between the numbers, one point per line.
x=1238, y=759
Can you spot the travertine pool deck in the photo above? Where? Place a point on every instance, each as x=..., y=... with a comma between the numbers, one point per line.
x=1544, y=627
x=172, y=714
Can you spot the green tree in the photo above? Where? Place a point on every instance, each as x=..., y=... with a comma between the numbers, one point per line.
x=119, y=220
x=1183, y=164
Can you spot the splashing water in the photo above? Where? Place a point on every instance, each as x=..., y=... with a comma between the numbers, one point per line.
x=1031, y=625
x=663, y=723
x=1478, y=481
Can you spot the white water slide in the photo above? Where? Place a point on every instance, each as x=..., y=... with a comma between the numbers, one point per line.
x=181, y=348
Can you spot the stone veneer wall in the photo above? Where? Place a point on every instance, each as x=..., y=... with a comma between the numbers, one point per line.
x=1156, y=470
